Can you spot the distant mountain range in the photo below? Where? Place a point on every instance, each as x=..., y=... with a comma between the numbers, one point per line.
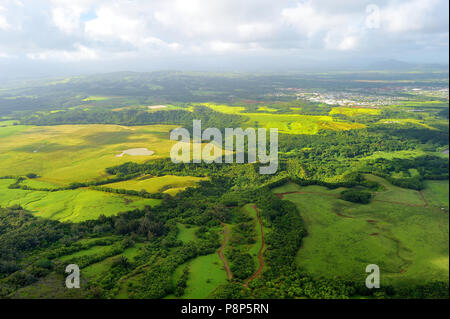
x=392, y=64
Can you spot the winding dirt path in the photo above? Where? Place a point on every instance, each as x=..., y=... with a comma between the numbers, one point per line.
x=260, y=257
x=220, y=252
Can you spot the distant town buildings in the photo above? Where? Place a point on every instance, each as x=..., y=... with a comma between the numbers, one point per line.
x=367, y=98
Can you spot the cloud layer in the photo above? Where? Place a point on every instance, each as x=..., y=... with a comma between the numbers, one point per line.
x=70, y=31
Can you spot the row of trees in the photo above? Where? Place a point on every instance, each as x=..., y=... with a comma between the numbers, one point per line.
x=208, y=117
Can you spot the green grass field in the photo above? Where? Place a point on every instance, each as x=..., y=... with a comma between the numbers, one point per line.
x=350, y=111
x=71, y=205
x=205, y=274
x=396, y=194
x=409, y=244
x=156, y=184
x=436, y=193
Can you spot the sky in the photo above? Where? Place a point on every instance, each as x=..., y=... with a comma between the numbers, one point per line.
x=43, y=37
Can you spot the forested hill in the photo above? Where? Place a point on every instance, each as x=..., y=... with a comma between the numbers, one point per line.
x=209, y=117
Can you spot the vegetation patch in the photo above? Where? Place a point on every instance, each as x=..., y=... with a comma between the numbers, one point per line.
x=356, y=196
x=353, y=111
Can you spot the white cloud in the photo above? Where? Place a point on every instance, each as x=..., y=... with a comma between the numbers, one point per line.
x=4, y=25
x=115, y=23
x=220, y=46
x=110, y=24
x=337, y=31
x=347, y=43
x=191, y=18
x=408, y=16
x=89, y=29
x=255, y=30
x=66, y=19
x=79, y=54
x=66, y=14
x=5, y=56
x=229, y=47
x=306, y=20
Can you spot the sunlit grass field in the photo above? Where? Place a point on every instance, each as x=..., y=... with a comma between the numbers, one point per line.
x=287, y=123
x=298, y=124
x=350, y=111
x=63, y=154
x=38, y=184
x=74, y=153
x=70, y=205
x=267, y=109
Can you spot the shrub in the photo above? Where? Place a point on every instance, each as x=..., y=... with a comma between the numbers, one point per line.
x=356, y=196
